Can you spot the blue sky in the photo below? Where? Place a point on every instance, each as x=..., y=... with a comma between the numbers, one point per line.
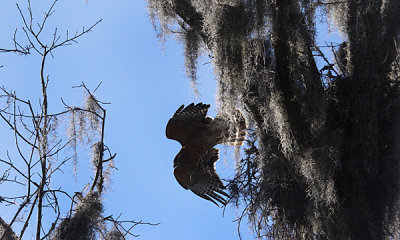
x=145, y=86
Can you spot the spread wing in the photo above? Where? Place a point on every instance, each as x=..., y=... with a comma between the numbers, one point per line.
x=186, y=121
x=205, y=182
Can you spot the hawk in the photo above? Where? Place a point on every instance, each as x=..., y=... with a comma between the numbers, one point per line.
x=194, y=165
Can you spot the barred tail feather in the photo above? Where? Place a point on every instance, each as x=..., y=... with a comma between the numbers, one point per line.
x=236, y=136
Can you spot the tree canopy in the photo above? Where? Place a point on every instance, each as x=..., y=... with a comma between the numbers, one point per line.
x=323, y=162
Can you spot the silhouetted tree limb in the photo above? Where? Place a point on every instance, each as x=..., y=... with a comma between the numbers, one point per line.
x=40, y=153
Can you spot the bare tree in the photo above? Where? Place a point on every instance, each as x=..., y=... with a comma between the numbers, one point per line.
x=323, y=162
x=41, y=152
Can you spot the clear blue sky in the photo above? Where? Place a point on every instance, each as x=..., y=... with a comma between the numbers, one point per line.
x=145, y=85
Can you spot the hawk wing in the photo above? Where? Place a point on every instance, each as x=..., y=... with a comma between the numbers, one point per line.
x=186, y=122
x=205, y=182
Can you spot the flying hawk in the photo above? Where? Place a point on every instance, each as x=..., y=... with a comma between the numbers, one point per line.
x=194, y=165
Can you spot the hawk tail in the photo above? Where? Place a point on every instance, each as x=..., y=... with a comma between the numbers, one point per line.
x=234, y=135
